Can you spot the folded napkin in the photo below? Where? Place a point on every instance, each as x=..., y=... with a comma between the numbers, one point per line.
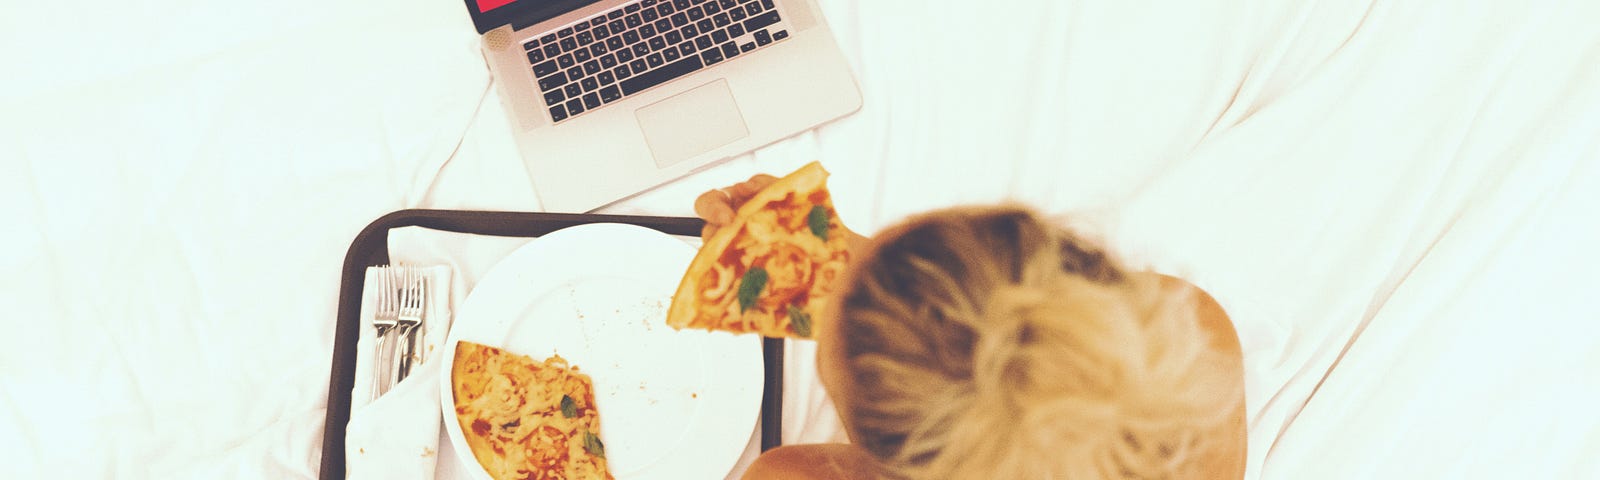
x=396, y=436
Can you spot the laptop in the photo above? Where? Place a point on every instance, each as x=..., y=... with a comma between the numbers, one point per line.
x=609, y=98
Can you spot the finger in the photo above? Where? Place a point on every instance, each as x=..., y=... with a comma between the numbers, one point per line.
x=714, y=208
x=743, y=191
x=762, y=180
x=740, y=192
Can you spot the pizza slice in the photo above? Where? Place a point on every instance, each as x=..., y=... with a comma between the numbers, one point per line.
x=525, y=419
x=773, y=267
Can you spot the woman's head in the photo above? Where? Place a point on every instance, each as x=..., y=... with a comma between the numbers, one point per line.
x=991, y=343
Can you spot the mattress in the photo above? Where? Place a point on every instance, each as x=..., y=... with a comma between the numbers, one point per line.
x=1392, y=200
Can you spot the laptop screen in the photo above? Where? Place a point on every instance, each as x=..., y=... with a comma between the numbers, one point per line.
x=487, y=5
x=491, y=14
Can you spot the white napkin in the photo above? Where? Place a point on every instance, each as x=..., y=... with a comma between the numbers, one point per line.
x=396, y=436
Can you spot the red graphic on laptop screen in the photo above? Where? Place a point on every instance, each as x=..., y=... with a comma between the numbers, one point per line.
x=487, y=5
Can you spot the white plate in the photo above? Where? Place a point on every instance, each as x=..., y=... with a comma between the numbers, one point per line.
x=673, y=404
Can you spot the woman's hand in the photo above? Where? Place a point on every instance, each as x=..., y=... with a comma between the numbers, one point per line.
x=716, y=207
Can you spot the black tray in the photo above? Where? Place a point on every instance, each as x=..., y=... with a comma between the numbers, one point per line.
x=371, y=248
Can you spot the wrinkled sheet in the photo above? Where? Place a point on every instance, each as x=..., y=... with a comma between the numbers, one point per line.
x=1393, y=200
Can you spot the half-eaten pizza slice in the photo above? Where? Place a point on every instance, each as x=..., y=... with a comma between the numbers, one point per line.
x=526, y=419
x=773, y=267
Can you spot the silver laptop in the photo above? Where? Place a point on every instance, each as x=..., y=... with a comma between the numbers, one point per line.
x=610, y=98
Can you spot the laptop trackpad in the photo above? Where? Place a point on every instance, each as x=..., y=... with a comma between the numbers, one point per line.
x=691, y=123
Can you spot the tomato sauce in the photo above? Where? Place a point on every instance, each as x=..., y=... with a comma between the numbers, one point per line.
x=731, y=256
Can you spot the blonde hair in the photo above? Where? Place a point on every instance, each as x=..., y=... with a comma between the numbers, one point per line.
x=988, y=343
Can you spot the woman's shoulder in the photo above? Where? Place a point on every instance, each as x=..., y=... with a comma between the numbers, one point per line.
x=1213, y=319
x=820, y=461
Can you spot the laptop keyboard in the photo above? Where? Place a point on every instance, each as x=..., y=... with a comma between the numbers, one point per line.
x=628, y=50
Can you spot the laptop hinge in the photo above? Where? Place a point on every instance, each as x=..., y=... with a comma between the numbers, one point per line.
x=530, y=20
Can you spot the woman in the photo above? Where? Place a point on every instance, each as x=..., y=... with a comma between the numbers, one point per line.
x=985, y=342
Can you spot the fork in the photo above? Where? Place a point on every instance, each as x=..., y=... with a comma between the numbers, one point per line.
x=413, y=307
x=385, y=318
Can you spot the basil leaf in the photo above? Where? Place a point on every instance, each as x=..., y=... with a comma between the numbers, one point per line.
x=569, y=408
x=750, y=287
x=591, y=443
x=818, y=218
x=800, y=321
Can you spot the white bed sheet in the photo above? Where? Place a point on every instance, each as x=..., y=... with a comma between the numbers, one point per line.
x=1393, y=200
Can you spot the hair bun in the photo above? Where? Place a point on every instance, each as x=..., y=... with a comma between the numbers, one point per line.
x=1012, y=306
